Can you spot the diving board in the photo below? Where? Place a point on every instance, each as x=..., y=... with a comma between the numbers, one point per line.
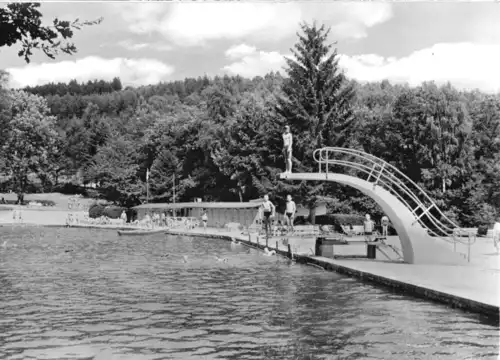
x=417, y=245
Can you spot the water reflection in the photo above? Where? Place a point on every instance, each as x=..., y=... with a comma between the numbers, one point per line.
x=89, y=294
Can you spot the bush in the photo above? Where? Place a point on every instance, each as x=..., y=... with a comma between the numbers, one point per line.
x=113, y=212
x=34, y=188
x=482, y=230
x=131, y=214
x=70, y=189
x=14, y=202
x=347, y=219
x=96, y=210
x=46, y=202
x=93, y=193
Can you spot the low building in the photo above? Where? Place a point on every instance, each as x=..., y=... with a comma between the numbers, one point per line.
x=219, y=213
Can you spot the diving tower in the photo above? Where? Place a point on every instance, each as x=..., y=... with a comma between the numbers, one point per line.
x=422, y=227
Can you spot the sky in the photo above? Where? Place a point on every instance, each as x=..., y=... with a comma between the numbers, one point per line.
x=148, y=42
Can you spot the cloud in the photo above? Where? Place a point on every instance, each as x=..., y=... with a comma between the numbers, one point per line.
x=129, y=45
x=240, y=51
x=249, y=62
x=352, y=19
x=465, y=65
x=190, y=24
x=130, y=71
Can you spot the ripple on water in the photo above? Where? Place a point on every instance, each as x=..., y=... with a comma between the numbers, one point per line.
x=116, y=298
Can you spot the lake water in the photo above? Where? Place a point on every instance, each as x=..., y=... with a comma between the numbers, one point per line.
x=90, y=294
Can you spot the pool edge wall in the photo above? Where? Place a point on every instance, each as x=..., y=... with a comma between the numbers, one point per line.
x=453, y=301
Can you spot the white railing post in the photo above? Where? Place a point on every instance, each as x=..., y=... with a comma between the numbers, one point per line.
x=371, y=172
x=327, y=163
x=414, y=211
x=319, y=160
x=468, y=250
x=425, y=212
x=379, y=174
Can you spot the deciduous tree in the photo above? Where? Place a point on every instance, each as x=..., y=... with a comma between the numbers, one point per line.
x=29, y=138
x=22, y=23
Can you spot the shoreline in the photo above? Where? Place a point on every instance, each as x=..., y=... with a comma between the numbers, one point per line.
x=380, y=273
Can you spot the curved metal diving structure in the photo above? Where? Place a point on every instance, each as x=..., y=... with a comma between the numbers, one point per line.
x=419, y=216
x=400, y=185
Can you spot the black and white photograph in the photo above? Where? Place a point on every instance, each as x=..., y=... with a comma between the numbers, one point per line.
x=282, y=180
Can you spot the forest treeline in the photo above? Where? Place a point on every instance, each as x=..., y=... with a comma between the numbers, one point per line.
x=221, y=137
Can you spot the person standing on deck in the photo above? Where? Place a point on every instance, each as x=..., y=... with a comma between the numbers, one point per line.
x=204, y=219
x=368, y=227
x=385, y=224
x=496, y=234
x=287, y=149
x=123, y=217
x=268, y=211
x=290, y=210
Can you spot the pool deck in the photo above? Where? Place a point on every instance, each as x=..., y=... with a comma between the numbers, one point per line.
x=474, y=287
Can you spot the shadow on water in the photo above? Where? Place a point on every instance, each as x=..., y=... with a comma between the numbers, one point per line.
x=89, y=294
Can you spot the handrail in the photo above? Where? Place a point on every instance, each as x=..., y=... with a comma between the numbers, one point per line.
x=389, y=176
x=402, y=186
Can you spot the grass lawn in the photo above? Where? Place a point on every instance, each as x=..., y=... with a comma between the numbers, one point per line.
x=60, y=199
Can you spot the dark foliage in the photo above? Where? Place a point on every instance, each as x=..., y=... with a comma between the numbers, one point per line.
x=96, y=211
x=113, y=212
x=220, y=138
x=22, y=23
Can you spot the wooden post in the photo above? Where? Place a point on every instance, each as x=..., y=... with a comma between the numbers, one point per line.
x=277, y=244
x=290, y=252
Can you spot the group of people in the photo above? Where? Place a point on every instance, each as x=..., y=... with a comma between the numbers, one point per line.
x=156, y=219
x=268, y=212
x=369, y=225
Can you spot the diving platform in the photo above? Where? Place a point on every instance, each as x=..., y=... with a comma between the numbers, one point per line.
x=410, y=209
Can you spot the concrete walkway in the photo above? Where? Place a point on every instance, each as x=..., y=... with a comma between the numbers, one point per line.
x=474, y=287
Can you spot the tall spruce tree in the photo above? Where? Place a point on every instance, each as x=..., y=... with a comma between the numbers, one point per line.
x=317, y=104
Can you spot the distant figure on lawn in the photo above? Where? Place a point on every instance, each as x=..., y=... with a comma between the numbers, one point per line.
x=287, y=149
x=496, y=234
x=385, y=224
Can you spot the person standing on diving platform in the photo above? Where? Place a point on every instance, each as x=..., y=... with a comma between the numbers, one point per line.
x=287, y=149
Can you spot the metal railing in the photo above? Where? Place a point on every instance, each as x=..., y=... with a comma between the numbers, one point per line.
x=406, y=190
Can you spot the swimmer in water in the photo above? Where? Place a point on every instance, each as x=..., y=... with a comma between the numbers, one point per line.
x=269, y=253
x=184, y=257
x=220, y=259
